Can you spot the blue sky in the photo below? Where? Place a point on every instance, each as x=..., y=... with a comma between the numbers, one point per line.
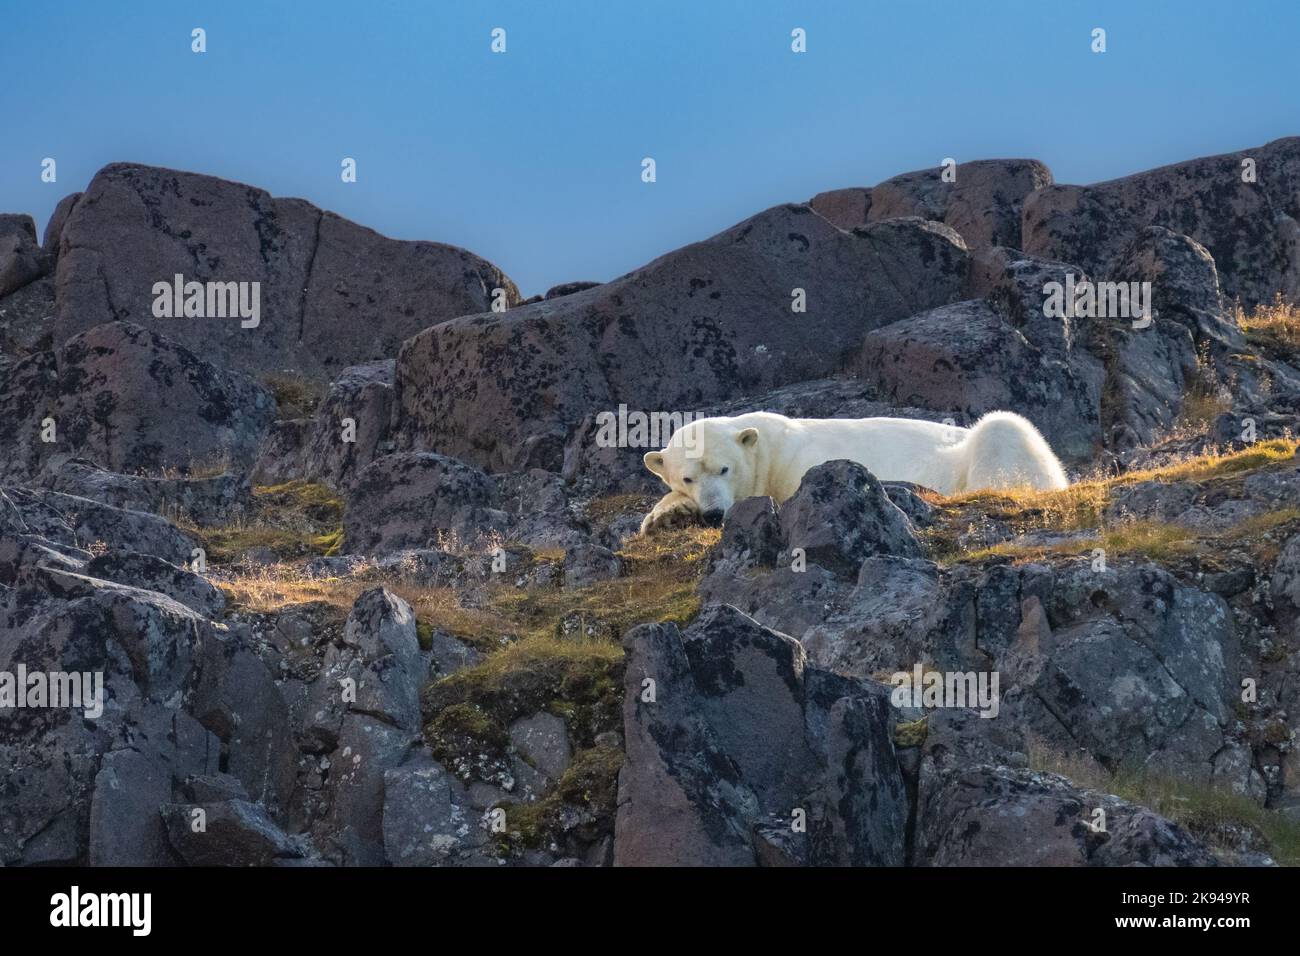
x=532, y=158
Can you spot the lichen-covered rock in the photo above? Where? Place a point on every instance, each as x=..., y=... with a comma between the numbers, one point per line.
x=332, y=293
x=154, y=574
x=710, y=322
x=29, y=393
x=428, y=819
x=233, y=833
x=408, y=500
x=735, y=748
x=1248, y=227
x=68, y=521
x=204, y=500
x=131, y=400
x=983, y=203
x=841, y=515
x=1285, y=582
x=996, y=816
x=967, y=359
x=21, y=258
x=333, y=450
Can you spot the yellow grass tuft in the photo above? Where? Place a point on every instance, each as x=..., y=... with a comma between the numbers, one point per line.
x=1276, y=325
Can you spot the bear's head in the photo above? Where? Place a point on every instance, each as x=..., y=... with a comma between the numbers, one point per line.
x=712, y=462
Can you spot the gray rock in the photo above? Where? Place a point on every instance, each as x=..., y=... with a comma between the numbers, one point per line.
x=407, y=500
x=332, y=293
x=1249, y=228
x=226, y=833
x=587, y=564
x=967, y=359
x=712, y=338
x=125, y=826
x=154, y=574
x=203, y=500
x=990, y=816
x=681, y=799
x=428, y=818
x=747, y=756
x=131, y=400
x=364, y=394
x=543, y=740
x=841, y=515
x=983, y=204
x=67, y=521
x=21, y=259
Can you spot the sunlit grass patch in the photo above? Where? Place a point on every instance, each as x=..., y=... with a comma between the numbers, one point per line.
x=1218, y=817
x=296, y=519
x=1275, y=326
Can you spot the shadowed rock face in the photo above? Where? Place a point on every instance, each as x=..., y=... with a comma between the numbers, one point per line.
x=709, y=322
x=333, y=293
x=1249, y=228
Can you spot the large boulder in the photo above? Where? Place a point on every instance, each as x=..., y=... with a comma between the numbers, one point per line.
x=202, y=500
x=983, y=203
x=967, y=359
x=332, y=293
x=996, y=816
x=333, y=452
x=739, y=754
x=846, y=208
x=1249, y=227
x=128, y=400
x=67, y=521
x=29, y=392
x=409, y=500
x=21, y=258
x=709, y=322
x=841, y=515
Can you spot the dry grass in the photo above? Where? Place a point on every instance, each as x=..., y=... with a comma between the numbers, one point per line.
x=1082, y=507
x=659, y=584
x=1275, y=327
x=296, y=519
x=295, y=396
x=1216, y=816
x=1206, y=397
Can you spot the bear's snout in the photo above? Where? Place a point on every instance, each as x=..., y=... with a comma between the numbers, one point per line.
x=713, y=517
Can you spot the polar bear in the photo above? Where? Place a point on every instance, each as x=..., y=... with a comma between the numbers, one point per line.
x=711, y=463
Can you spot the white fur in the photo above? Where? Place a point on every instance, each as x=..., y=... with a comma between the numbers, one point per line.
x=768, y=454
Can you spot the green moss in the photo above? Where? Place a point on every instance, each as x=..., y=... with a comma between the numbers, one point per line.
x=580, y=681
x=912, y=733
x=424, y=632
x=589, y=785
x=469, y=741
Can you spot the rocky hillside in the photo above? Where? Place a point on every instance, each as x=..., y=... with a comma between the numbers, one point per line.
x=364, y=587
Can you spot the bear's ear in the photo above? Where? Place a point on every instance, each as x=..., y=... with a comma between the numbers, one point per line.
x=654, y=460
x=748, y=438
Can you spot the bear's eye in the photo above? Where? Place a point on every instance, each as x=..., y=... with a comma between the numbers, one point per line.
x=688, y=480
x=724, y=471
